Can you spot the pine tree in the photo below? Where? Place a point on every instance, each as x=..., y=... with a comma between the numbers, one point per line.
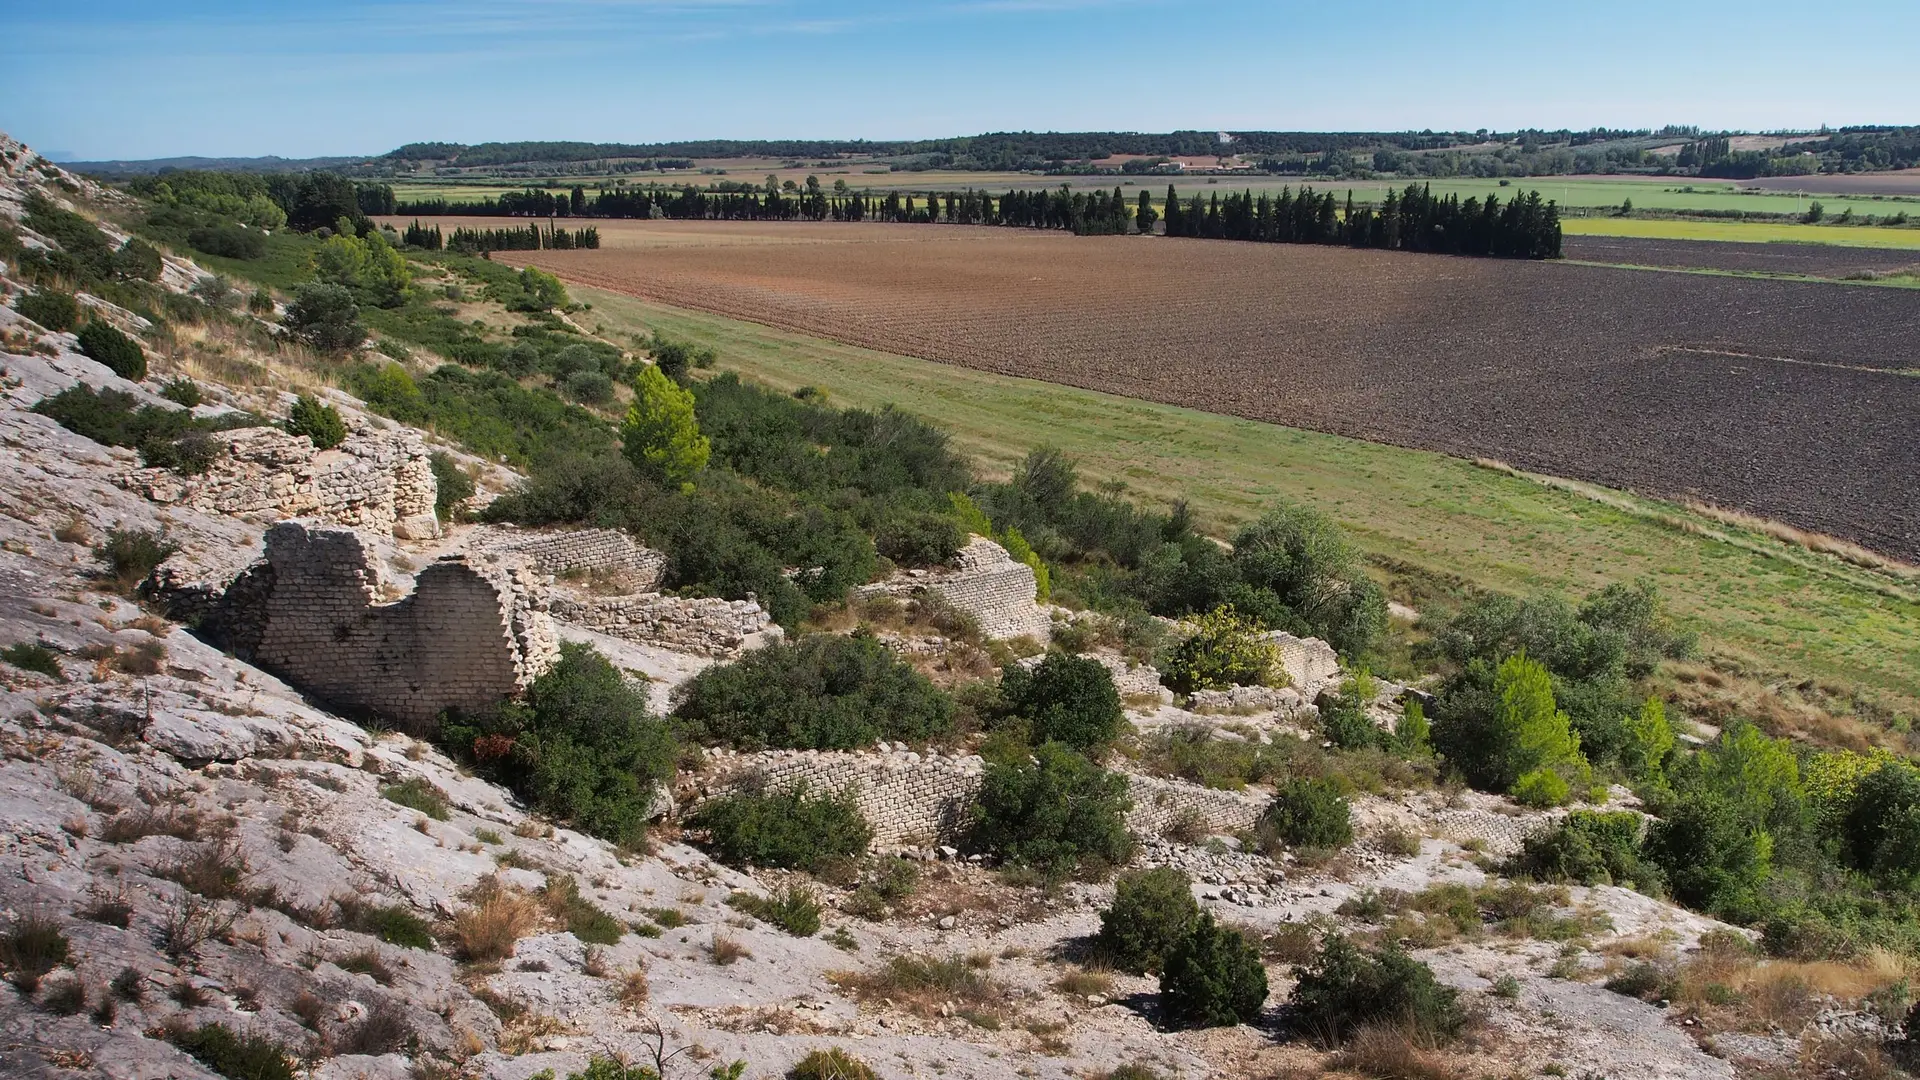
x=1176, y=221
x=660, y=435
x=1144, y=216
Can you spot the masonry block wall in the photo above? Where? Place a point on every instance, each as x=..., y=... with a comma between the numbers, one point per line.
x=580, y=551
x=470, y=634
x=702, y=625
x=378, y=481
x=919, y=799
x=986, y=583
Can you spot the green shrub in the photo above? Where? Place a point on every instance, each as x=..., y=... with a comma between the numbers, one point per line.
x=138, y=260
x=325, y=317
x=676, y=358
x=236, y=1057
x=1541, y=788
x=1880, y=830
x=1513, y=730
x=1344, y=989
x=1064, y=699
x=822, y=692
x=1297, y=570
x=1413, y=735
x=1345, y=718
x=166, y=438
x=917, y=538
x=1213, y=978
x=415, y=793
x=1308, y=812
x=319, y=422
x=34, y=656
x=229, y=241
x=832, y=1063
x=1714, y=859
x=56, y=311
x=1057, y=814
x=661, y=435
x=182, y=391
x=1642, y=980
x=1588, y=848
x=581, y=746
x=790, y=829
x=588, y=387
x=600, y=1068
x=123, y=355
x=1225, y=649
x=130, y=555
x=452, y=486
x=1152, y=912
x=794, y=909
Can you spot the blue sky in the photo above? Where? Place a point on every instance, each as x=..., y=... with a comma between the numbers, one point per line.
x=149, y=78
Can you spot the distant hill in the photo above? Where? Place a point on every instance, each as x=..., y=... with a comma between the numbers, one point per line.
x=114, y=170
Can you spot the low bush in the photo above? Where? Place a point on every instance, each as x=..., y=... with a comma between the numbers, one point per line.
x=786, y=829
x=235, y=1056
x=54, y=310
x=583, y=918
x=1310, y=813
x=317, y=421
x=1152, y=912
x=1345, y=989
x=123, y=355
x=166, y=438
x=794, y=909
x=34, y=656
x=1588, y=848
x=822, y=692
x=498, y=916
x=832, y=1063
x=1225, y=649
x=182, y=391
x=392, y=924
x=229, y=241
x=1057, y=814
x=1213, y=978
x=580, y=746
x=1065, y=699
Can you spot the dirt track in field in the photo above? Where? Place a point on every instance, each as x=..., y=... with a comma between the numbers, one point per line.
x=1797, y=401
x=1816, y=260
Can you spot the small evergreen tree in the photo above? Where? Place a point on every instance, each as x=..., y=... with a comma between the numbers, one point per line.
x=1067, y=699
x=660, y=435
x=317, y=421
x=1153, y=911
x=1345, y=989
x=1309, y=812
x=1213, y=978
x=325, y=317
x=102, y=342
x=1056, y=813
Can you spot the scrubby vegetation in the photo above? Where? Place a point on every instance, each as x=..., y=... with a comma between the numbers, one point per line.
x=317, y=421
x=1064, y=699
x=784, y=829
x=581, y=746
x=1310, y=813
x=122, y=355
x=1152, y=913
x=166, y=438
x=1213, y=977
x=1345, y=989
x=822, y=692
x=1056, y=814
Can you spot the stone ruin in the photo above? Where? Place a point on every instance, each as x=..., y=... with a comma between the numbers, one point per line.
x=590, y=554
x=920, y=799
x=472, y=632
x=378, y=481
x=984, y=582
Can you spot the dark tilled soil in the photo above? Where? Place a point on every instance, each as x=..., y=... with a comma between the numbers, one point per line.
x=1818, y=260
x=1793, y=400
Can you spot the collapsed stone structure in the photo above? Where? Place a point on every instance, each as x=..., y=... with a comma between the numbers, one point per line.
x=917, y=799
x=569, y=553
x=472, y=632
x=379, y=481
x=702, y=625
x=984, y=582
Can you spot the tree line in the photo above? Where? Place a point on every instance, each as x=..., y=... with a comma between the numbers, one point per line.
x=1525, y=227
x=475, y=241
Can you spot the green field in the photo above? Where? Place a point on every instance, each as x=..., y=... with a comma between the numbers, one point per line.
x=1753, y=232
x=1771, y=607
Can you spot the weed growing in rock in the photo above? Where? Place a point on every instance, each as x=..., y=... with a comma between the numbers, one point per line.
x=415, y=793
x=499, y=916
x=794, y=909
x=33, y=946
x=583, y=919
x=130, y=555
x=235, y=1056
x=832, y=1063
x=34, y=656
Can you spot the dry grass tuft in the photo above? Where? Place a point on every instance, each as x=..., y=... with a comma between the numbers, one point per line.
x=1388, y=1052
x=634, y=990
x=500, y=915
x=1083, y=983
x=726, y=949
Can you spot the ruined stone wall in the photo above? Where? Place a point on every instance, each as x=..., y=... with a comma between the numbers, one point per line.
x=577, y=551
x=378, y=481
x=920, y=799
x=470, y=633
x=984, y=582
x=701, y=625
x=1311, y=664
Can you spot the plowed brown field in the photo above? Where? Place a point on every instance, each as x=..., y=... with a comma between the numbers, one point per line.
x=1796, y=401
